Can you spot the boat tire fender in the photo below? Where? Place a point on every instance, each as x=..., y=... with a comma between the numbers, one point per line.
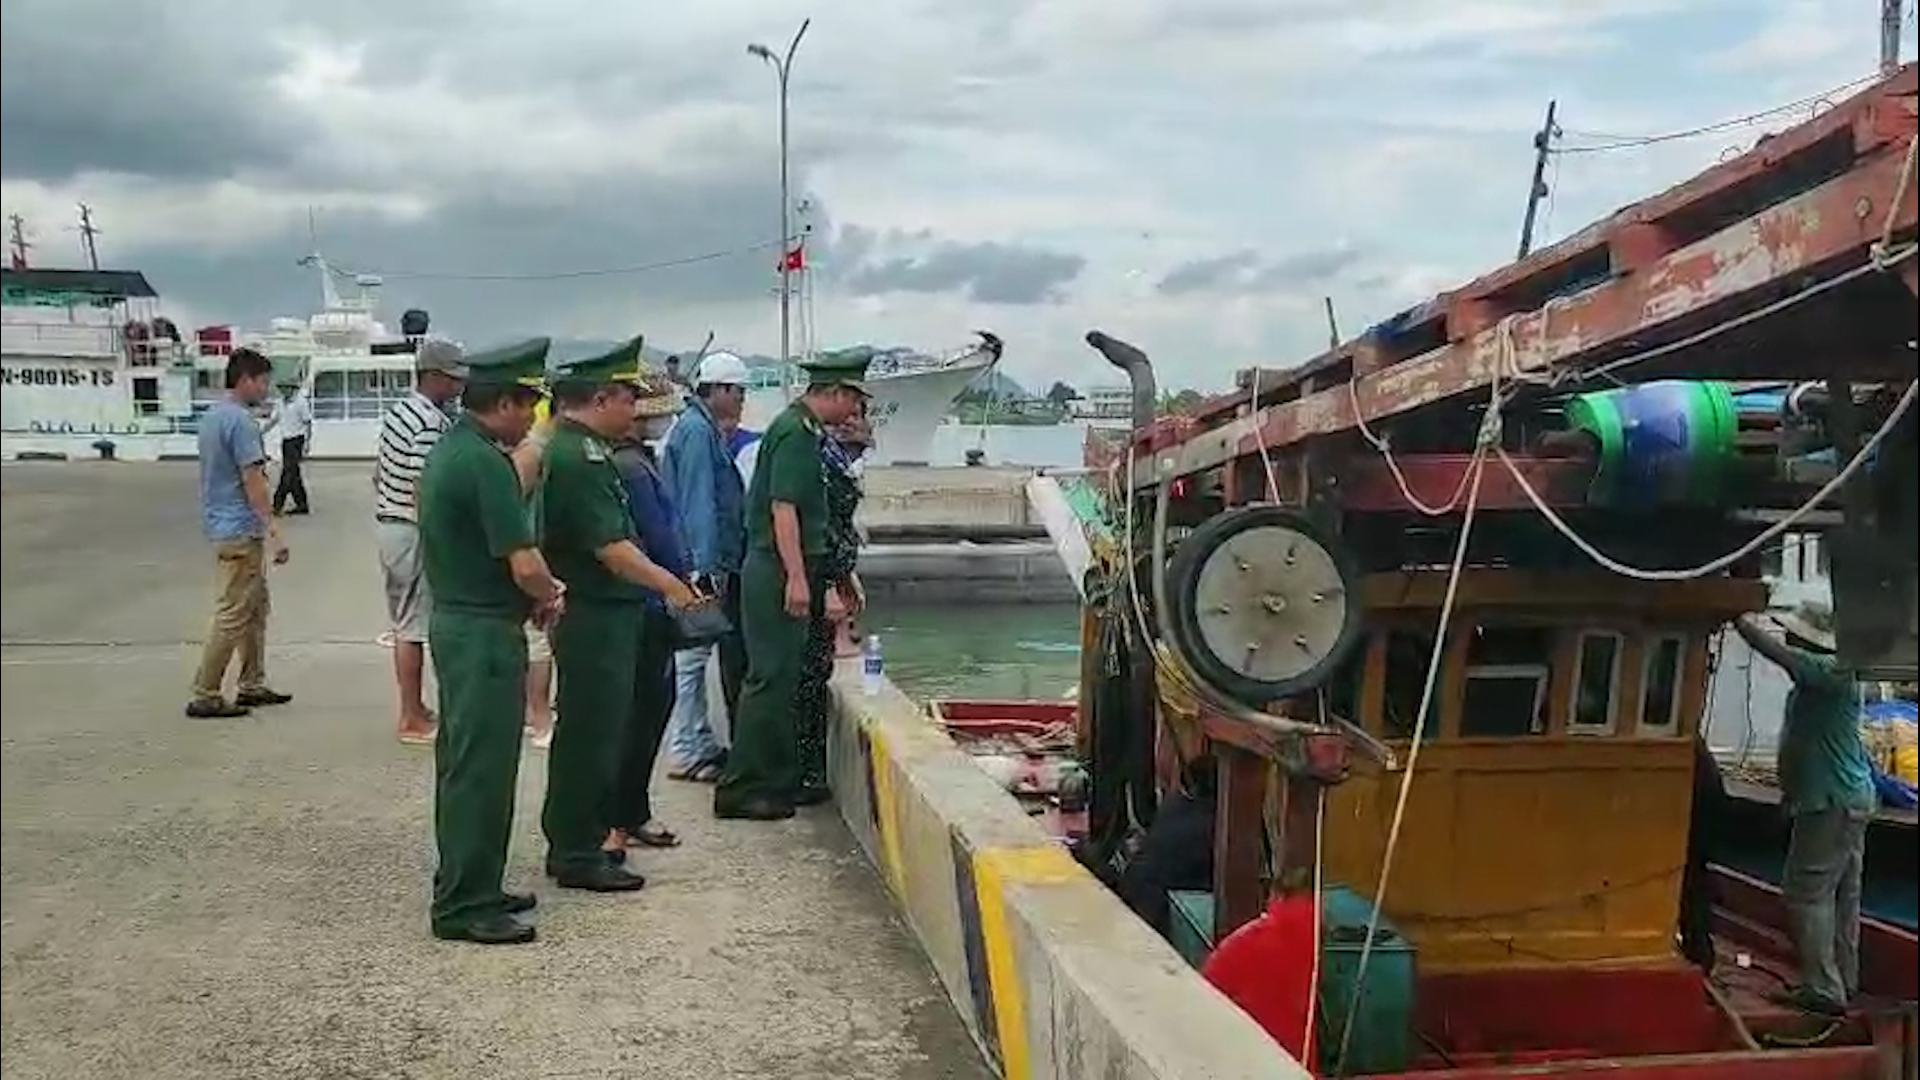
x=1264, y=605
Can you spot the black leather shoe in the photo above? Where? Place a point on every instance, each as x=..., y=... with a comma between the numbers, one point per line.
x=517, y=902
x=605, y=878
x=490, y=930
x=216, y=709
x=752, y=810
x=262, y=696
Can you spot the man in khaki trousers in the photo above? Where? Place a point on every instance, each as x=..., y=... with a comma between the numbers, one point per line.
x=237, y=512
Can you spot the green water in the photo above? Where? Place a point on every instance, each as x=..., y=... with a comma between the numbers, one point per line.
x=1006, y=651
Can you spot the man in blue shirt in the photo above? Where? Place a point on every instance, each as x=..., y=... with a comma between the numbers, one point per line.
x=1826, y=785
x=712, y=500
x=237, y=514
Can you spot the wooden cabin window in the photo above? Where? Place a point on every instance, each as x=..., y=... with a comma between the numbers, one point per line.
x=1508, y=671
x=1664, y=662
x=1596, y=679
x=1408, y=654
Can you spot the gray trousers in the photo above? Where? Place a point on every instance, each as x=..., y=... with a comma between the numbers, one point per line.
x=1822, y=889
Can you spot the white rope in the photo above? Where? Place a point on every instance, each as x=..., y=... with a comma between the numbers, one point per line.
x=1826, y=491
x=1454, y=573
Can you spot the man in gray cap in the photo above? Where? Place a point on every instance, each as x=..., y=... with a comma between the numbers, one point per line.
x=407, y=432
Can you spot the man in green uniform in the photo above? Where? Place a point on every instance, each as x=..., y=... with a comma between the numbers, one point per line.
x=783, y=586
x=587, y=534
x=487, y=578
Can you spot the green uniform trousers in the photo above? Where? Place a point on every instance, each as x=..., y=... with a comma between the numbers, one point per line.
x=481, y=664
x=596, y=649
x=763, y=762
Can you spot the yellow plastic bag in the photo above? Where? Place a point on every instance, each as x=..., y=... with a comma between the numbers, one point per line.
x=1906, y=763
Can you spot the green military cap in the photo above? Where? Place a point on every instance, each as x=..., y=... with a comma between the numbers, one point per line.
x=523, y=363
x=617, y=365
x=847, y=368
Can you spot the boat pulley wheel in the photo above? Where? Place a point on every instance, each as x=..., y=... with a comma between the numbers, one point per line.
x=1261, y=604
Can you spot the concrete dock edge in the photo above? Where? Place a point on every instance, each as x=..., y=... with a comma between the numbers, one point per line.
x=1052, y=975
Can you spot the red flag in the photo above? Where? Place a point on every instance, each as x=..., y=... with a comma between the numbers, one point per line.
x=795, y=259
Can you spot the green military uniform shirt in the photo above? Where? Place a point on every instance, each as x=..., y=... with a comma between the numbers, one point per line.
x=471, y=520
x=583, y=508
x=788, y=468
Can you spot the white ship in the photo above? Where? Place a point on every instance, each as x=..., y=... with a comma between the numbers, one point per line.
x=912, y=396
x=92, y=367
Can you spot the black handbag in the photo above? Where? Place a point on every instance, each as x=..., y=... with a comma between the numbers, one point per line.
x=700, y=624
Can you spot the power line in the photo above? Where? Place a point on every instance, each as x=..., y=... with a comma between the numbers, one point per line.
x=570, y=275
x=1629, y=142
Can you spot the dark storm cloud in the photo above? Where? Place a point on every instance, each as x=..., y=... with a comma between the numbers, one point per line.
x=496, y=266
x=184, y=93
x=990, y=273
x=91, y=85
x=1245, y=271
x=1207, y=275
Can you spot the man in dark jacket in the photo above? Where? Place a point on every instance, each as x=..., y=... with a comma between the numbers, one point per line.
x=657, y=522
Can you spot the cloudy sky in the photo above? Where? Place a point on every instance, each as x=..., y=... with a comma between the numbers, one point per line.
x=1191, y=174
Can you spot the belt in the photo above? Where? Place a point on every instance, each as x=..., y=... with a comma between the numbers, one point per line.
x=393, y=519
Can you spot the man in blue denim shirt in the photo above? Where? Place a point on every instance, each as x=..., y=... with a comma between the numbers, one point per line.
x=238, y=518
x=712, y=500
x=657, y=522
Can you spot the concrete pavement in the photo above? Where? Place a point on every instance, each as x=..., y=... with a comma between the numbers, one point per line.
x=215, y=899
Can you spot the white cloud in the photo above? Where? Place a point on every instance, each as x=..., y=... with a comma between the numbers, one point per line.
x=1137, y=134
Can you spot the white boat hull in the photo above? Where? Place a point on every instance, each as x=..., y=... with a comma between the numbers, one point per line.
x=906, y=410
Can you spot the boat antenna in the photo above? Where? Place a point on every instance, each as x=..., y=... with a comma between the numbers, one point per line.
x=17, y=243
x=1892, y=21
x=329, y=295
x=88, y=230
x=1542, y=148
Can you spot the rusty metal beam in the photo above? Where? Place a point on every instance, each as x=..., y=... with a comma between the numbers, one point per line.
x=1367, y=485
x=1816, y=235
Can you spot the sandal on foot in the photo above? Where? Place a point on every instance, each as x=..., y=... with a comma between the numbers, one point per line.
x=653, y=836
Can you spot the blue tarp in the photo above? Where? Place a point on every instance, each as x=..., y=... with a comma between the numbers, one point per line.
x=1894, y=791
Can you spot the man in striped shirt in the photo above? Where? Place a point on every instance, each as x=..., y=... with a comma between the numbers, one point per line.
x=407, y=433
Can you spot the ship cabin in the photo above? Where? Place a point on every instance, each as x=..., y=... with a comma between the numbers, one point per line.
x=1547, y=822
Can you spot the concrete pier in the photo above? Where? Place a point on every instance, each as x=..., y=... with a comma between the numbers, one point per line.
x=229, y=900
x=957, y=534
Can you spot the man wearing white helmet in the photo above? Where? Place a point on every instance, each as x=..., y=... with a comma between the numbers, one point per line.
x=712, y=500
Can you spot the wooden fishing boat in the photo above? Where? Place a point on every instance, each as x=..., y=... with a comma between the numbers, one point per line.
x=1423, y=622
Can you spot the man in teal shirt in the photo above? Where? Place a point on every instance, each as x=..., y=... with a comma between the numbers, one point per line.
x=1826, y=786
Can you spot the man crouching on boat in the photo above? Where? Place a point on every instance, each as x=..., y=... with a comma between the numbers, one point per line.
x=1826, y=785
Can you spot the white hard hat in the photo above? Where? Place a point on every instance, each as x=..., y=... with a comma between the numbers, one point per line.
x=721, y=369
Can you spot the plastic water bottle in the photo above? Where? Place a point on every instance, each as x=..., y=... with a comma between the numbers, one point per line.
x=872, y=667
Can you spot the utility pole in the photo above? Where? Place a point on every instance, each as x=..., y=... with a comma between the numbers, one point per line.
x=782, y=65
x=1542, y=148
x=1892, y=21
x=1333, y=325
x=87, y=232
x=17, y=241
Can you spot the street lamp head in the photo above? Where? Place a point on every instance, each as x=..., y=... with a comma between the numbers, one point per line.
x=761, y=51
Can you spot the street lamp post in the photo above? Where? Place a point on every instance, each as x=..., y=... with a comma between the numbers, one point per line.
x=783, y=67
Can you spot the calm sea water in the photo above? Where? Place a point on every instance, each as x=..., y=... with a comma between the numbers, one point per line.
x=1001, y=651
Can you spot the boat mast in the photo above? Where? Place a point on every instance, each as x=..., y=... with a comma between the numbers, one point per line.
x=87, y=232
x=17, y=242
x=1892, y=21
x=1542, y=147
x=329, y=295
